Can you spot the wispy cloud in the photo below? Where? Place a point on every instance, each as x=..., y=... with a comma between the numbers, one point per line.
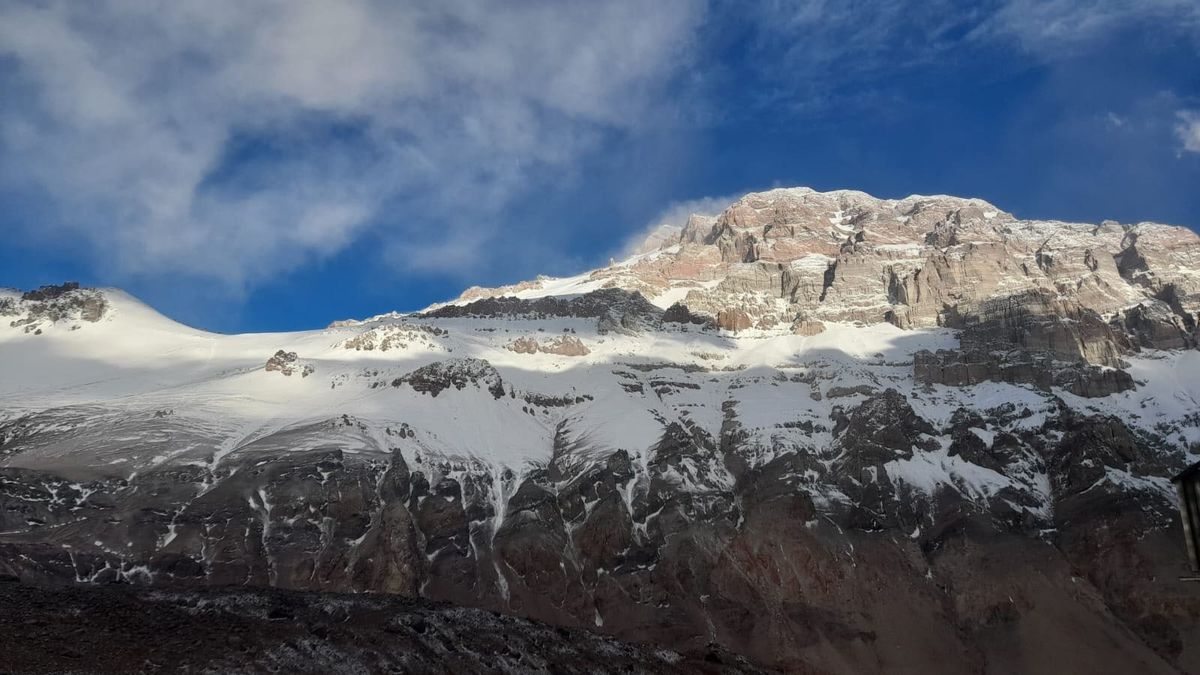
x=236, y=140
x=849, y=54
x=1057, y=28
x=1188, y=130
x=828, y=52
x=672, y=218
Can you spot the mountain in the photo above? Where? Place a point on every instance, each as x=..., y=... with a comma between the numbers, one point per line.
x=830, y=432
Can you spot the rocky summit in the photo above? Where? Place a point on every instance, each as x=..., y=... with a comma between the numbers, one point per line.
x=823, y=432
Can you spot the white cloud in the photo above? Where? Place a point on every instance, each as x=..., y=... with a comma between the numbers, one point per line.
x=672, y=219
x=126, y=114
x=1188, y=130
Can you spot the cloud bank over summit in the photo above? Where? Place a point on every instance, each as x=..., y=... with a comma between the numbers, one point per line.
x=236, y=146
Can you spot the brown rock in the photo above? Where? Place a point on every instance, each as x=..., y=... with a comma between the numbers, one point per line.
x=563, y=345
x=283, y=362
x=733, y=319
x=523, y=345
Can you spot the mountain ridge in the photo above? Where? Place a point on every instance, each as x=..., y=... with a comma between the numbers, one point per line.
x=821, y=435
x=845, y=255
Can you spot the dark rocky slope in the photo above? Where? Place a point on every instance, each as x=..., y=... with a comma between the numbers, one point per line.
x=108, y=629
x=712, y=551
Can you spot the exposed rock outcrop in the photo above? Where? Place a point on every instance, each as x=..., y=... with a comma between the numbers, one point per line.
x=439, y=376
x=733, y=319
x=396, y=336
x=679, y=313
x=287, y=363
x=563, y=345
x=808, y=327
x=968, y=366
x=1153, y=325
x=49, y=305
x=589, y=305
x=1032, y=340
x=616, y=310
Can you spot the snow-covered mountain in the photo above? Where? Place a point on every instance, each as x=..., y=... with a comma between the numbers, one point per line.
x=828, y=431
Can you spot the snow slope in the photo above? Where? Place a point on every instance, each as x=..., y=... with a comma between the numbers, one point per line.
x=623, y=393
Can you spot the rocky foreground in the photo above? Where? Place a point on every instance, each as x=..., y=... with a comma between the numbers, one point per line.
x=827, y=432
x=110, y=629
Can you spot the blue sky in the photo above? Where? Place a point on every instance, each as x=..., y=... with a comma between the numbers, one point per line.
x=278, y=165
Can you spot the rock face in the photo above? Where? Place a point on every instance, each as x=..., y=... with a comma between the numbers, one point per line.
x=437, y=377
x=827, y=432
x=679, y=313
x=1071, y=291
x=733, y=319
x=615, y=309
x=698, y=546
x=968, y=366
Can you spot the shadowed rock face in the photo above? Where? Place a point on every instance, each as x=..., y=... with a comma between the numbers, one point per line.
x=968, y=366
x=625, y=308
x=802, y=563
x=1046, y=346
x=437, y=377
x=679, y=313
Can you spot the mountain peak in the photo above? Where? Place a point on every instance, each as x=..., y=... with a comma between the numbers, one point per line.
x=872, y=387
x=795, y=255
